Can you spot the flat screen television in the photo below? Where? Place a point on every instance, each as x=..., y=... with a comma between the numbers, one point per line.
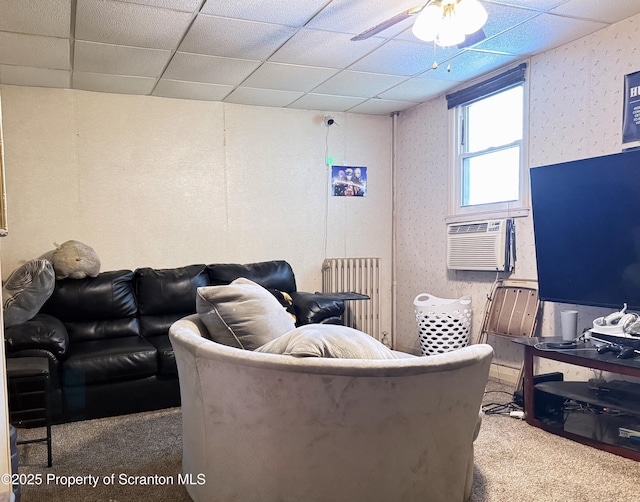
x=586, y=222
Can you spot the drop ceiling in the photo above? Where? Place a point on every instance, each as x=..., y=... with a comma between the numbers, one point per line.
x=280, y=53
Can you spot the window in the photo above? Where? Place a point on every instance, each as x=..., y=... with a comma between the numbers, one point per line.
x=489, y=137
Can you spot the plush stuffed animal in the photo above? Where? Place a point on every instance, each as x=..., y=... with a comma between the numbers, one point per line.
x=75, y=260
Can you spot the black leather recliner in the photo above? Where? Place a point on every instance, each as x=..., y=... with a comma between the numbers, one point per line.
x=106, y=338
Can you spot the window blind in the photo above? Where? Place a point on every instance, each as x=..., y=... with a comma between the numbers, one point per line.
x=509, y=78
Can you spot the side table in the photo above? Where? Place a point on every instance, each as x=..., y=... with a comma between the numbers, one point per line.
x=28, y=388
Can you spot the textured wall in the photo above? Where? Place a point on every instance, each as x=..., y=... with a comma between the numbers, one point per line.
x=576, y=96
x=162, y=182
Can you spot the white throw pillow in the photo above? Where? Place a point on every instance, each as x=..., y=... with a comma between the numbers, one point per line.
x=242, y=314
x=328, y=340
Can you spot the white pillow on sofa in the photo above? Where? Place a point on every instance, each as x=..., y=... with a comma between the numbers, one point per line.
x=328, y=340
x=242, y=314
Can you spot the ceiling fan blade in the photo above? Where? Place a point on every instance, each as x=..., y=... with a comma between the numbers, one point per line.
x=388, y=23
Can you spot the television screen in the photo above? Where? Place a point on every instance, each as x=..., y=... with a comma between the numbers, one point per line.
x=586, y=222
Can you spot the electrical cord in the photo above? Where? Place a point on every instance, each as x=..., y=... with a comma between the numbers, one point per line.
x=501, y=408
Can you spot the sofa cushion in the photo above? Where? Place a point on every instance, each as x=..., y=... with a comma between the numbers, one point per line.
x=276, y=274
x=101, y=361
x=166, y=356
x=328, y=340
x=242, y=314
x=43, y=332
x=26, y=290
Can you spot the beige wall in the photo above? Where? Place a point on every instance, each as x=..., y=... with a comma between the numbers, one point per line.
x=163, y=182
x=576, y=94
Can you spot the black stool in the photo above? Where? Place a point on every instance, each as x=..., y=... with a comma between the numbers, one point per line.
x=28, y=386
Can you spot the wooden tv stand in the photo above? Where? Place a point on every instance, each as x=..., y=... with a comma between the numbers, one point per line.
x=585, y=356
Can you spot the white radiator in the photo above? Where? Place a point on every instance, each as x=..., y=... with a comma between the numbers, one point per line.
x=356, y=275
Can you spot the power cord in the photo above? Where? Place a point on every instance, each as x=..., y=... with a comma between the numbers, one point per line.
x=510, y=409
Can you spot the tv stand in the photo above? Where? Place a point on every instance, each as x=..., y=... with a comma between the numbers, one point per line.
x=599, y=430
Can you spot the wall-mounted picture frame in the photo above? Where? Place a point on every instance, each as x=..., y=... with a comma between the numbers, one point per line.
x=631, y=113
x=348, y=181
x=3, y=193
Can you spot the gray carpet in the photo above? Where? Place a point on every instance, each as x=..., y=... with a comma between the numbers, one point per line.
x=514, y=462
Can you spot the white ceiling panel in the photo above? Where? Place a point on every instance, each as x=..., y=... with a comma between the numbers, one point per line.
x=418, y=89
x=232, y=38
x=36, y=17
x=356, y=16
x=112, y=83
x=209, y=69
x=381, y=106
x=396, y=58
x=130, y=24
x=183, y=5
x=34, y=50
x=598, y=10
x=282, y=53
x=192, y=90
x=323, y=48
x=119, y=59
x=541, y=33
x=34, y=77
x=274, y=11
x=358, y=84
x=287, y=77
x=262, y=97
x=326, y=102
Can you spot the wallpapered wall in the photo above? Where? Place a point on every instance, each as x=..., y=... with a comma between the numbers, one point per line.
x=163, y=182
x=576, y=99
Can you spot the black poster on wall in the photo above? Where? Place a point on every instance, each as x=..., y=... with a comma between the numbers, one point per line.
x=631, y=114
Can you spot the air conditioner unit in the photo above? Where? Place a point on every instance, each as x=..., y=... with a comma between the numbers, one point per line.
x=481, y=245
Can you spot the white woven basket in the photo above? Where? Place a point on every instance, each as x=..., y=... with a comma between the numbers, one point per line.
x=443, y=324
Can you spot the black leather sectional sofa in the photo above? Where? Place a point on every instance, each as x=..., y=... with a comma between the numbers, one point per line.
x=106, y=338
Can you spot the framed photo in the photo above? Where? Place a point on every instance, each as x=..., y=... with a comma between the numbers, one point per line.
x=3, y=193
x=348, y=181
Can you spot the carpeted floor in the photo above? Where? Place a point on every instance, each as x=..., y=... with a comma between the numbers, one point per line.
x=514, y=462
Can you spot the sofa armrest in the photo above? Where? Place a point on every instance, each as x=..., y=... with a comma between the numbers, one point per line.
x=43, y=332
x=316, y=307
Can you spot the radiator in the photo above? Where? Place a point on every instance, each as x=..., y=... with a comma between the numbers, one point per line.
x=357, y=275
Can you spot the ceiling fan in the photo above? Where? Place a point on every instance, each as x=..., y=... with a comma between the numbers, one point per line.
x=447, y=22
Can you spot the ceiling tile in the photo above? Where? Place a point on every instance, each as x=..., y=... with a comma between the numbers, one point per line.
x=191, y=90
x=130, y=24
x=274, y=11
x=36, y=17
x=288, y=77
x=262, y=97
x=418, y=89
x=119, y=60
x=34, y=50
x=598, y=10
x=323, y=48
x=349, y=16
x=396, y=58
x=541, y=33
x=112, y=83
x=467, y=65
x=326, y=102
x=359, y=84
x=381, y=106
x=34, y=77
x=536, y=5
x=183, y=5
x=209, y=69
x=217, y=36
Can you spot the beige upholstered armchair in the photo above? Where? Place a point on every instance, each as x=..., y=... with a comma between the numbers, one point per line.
x=261, y=427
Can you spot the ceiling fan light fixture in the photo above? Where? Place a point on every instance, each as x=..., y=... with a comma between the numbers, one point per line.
x=448, y=21
x=471, y=16
x=428, y=23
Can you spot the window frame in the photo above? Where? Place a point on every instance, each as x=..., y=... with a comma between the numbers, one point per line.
x=517, y=208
